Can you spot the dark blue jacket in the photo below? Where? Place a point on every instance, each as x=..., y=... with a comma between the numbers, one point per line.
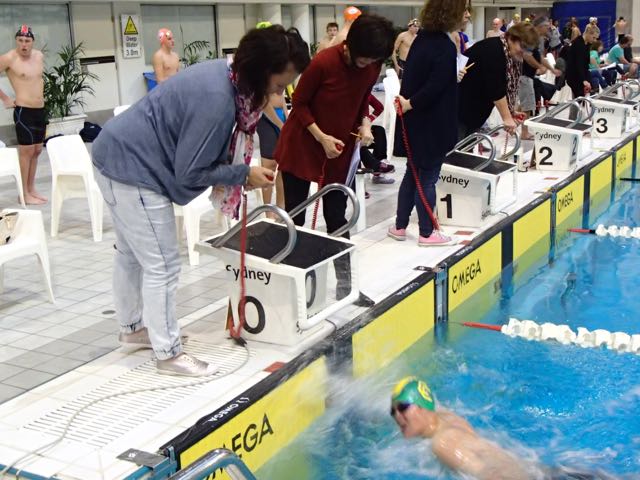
x=430, y=82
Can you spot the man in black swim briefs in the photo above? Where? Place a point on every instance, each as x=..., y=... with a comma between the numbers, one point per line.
x=24, y=67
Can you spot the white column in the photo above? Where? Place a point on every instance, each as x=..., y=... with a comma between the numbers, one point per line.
x=478, y=24
x=271, y=12
x=635, y=22
x=251, y=15
x=301, y=19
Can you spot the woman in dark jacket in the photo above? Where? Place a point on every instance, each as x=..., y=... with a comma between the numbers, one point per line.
x=494, y=78
x=578, y=59
x=429, y=98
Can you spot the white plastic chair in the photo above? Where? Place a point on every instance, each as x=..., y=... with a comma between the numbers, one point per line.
x=119, y=109
x=188, y=217
x=391, y=91
x=72, y=177
x=10, y=166
x=28, y=239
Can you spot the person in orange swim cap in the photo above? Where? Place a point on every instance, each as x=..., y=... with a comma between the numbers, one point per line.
x=351, y=13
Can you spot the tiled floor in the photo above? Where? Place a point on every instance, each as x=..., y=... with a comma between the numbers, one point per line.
x=40, y=340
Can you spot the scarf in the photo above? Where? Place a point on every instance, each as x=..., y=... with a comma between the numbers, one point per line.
x=514, y=72
x=228, y=197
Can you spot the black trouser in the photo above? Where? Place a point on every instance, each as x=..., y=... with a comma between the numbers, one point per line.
x=334, y=207
x=372, y=159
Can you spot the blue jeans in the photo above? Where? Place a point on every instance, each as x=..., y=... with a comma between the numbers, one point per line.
x=408, y=197
x=147, y=263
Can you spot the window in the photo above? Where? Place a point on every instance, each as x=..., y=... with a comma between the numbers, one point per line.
x=50, y=25
x=187, y=22
x=287, y=22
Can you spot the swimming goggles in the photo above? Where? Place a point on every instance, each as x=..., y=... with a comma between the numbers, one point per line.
x=400, y=407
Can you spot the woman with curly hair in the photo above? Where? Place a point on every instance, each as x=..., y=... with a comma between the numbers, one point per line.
x=429, y=99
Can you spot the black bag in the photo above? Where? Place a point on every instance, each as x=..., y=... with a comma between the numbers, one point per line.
x=90, y=132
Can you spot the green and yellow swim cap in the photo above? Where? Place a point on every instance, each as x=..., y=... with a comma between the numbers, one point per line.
x=263, y=24
x=414, y=391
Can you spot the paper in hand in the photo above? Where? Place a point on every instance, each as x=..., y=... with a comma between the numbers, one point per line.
x=462, y=61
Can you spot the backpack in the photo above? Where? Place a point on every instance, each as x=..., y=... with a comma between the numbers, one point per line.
x=90, y=132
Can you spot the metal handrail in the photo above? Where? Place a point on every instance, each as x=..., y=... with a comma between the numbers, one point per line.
x=610, y=89
x=589, y=101
x=514, y=149
x=291, y=228
x=471, y=141
x=635, y=82
x=212, y=461
x=321, y=193
x=560, y=108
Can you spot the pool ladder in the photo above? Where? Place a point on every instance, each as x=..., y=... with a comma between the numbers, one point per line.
x=212, y=461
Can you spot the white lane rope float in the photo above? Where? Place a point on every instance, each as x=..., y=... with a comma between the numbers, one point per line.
x=610, y=231
x=620, y=342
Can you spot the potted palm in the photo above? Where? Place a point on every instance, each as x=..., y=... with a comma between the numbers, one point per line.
x=64, y=86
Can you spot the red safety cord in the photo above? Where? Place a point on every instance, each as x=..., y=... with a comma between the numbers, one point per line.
x=496, y=328
x=405, y=138
x=237, y=332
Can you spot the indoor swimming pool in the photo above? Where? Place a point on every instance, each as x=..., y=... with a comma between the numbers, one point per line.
x=549, y=404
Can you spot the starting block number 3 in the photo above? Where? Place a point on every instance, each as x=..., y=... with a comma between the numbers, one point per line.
x=556, y=151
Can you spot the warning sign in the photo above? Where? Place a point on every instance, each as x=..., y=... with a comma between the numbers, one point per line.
x=130, y=27
x=131, y=47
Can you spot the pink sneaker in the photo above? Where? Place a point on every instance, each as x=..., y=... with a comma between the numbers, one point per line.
x=436, y=239
x=399, y=234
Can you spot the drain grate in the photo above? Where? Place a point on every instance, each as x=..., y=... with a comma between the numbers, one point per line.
x=104, y=422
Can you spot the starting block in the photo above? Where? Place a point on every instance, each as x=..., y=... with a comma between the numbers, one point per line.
x=559, y=143
x=616, y=110
x=472, y=186
x=286, y=272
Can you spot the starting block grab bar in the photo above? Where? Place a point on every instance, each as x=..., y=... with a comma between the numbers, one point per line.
x=284, y=216
x=466, y=145
x=625, y=86
x=515, y=148
x=321, y=193
x=578, y=103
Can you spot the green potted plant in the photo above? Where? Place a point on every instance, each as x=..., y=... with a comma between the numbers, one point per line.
x=64, y=87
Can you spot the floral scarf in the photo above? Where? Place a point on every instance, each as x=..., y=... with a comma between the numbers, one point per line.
x=514, y=72
x=228, y=197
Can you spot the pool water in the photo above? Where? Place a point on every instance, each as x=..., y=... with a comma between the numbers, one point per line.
x=546, y=403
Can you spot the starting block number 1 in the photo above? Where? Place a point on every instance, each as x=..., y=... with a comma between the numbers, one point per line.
x=558, y=151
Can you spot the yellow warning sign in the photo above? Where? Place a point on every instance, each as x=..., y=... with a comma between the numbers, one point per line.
x=130, y=28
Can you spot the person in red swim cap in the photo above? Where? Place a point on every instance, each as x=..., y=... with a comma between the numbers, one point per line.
x=166, y=62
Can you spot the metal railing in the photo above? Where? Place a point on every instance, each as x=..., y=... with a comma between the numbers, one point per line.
x=291, y=228
x=515, y=148
x=220, y=458
x=321, y=193
x=466, y=145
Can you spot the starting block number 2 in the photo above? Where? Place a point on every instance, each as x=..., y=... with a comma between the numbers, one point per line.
x=559, y=153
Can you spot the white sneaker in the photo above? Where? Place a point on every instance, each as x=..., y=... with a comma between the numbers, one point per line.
x=186, y=365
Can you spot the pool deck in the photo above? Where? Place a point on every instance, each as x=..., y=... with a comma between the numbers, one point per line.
x=56, y=358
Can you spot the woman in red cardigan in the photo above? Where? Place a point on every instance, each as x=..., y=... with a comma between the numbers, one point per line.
x=330, y=103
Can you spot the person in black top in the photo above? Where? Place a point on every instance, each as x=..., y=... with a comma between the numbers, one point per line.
x=428, y=98
x=493, y=79
x=578, y=59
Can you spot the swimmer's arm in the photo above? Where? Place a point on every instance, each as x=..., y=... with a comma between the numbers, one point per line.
x=5, y=61
x=158, y=67
x=449, y=448
x=394, y=55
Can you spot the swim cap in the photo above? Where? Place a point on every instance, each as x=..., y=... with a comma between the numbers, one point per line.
x=413, y=22
x=25, y=31
x=414, y=391
x=163, y=33
x=351, y=13
x=263, y=24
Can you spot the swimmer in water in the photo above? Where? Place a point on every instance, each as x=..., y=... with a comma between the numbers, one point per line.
x=454, y=442
x=458, y=446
